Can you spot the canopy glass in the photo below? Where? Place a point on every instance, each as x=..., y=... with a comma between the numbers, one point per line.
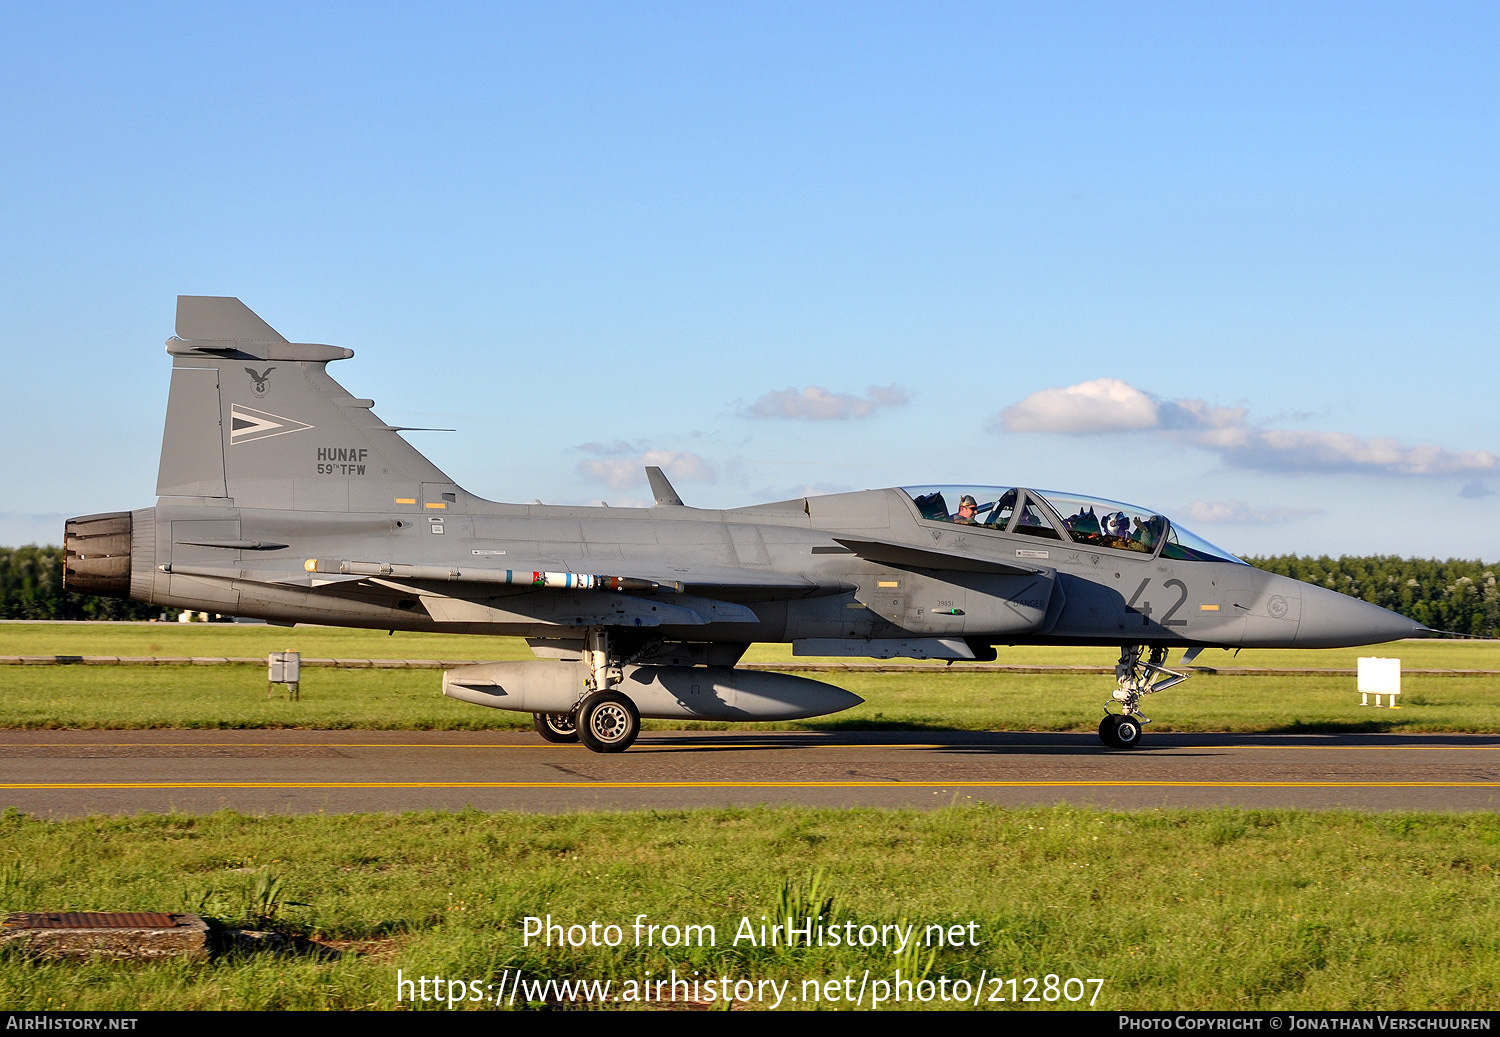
x=1088, y=521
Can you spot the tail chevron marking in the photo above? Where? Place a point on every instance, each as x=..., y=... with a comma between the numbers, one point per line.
x=247, y=424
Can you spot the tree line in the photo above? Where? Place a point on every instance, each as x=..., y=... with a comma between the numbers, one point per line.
x=1456, y=595
x=31, y=587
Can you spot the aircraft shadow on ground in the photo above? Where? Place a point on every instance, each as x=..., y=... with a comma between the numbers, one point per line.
x=1038, y=743
x=1352, y=727
x=1030, y=743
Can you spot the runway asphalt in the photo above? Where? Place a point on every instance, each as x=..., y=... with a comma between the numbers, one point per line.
x=71, y=773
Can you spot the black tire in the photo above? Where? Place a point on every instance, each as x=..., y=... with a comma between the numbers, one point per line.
x=1120, y=732
x=1107, y=730
x=608, y=722
x=556, y=727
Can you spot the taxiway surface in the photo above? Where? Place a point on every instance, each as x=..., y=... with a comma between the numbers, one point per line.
x=70, y=773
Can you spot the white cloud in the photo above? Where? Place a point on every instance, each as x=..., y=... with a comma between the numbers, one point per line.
x=1310, y=451
x=816, y=403
x=1195, y=414
x=1103, y=405
x=628, y=472
x=1238, y=513
x=619, y=446
x=1110, y=405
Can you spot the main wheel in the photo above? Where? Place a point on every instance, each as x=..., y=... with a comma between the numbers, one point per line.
x=556, y=727
x=1120, y=732
x=608, y=722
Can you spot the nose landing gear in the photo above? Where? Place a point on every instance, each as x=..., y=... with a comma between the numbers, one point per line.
x=1120, y=731
x=1136, y=677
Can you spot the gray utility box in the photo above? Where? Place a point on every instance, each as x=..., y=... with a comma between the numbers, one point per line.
x=284, y=668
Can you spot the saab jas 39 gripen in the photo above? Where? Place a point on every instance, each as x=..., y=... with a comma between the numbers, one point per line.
x=281, y=496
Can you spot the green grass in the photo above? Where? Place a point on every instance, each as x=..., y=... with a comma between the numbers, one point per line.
x=935, y=697
x=255, y=640
x=235, y=697
x=1172, y=909
x=247, y=640
x=1340, y=911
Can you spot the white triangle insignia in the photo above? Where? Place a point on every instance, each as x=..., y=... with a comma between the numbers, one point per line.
x=246, y=424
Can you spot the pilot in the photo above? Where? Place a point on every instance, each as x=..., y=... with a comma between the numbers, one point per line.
x=968, y=508
x=1115, y=531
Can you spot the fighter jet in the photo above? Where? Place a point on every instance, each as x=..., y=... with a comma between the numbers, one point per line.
x=283, y=497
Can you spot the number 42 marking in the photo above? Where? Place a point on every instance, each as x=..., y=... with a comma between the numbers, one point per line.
x=1143, y=608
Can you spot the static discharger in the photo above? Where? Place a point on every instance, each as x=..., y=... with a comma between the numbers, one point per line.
x=515, y=577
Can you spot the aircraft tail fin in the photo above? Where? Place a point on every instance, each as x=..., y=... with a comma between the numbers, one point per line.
x=661, y=486
x=256, y=421
x=216, y=318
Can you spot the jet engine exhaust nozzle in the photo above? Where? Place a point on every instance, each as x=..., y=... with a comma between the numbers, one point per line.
x=97, y=554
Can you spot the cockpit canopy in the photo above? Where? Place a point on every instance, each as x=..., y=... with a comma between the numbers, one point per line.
x=1087, y=521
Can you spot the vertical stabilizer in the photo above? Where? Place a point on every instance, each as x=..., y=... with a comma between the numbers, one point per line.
x=661, y=486
x=256, y=420
x=210, y=318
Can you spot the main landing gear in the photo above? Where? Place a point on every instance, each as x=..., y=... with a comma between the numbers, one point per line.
x=604, y=720
x=556, y=727
x=1136, y=677
x=608, y=722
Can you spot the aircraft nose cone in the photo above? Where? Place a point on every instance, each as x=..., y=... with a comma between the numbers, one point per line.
x=1333, y=620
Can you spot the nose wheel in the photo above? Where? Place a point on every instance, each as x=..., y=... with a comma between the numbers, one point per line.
x=1141, y=671
x=1120, y=732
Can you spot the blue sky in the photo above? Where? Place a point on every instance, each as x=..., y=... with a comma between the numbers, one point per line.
x=1236, y=262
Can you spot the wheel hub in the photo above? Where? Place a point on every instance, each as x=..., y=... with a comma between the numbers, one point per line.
x=609, y=722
